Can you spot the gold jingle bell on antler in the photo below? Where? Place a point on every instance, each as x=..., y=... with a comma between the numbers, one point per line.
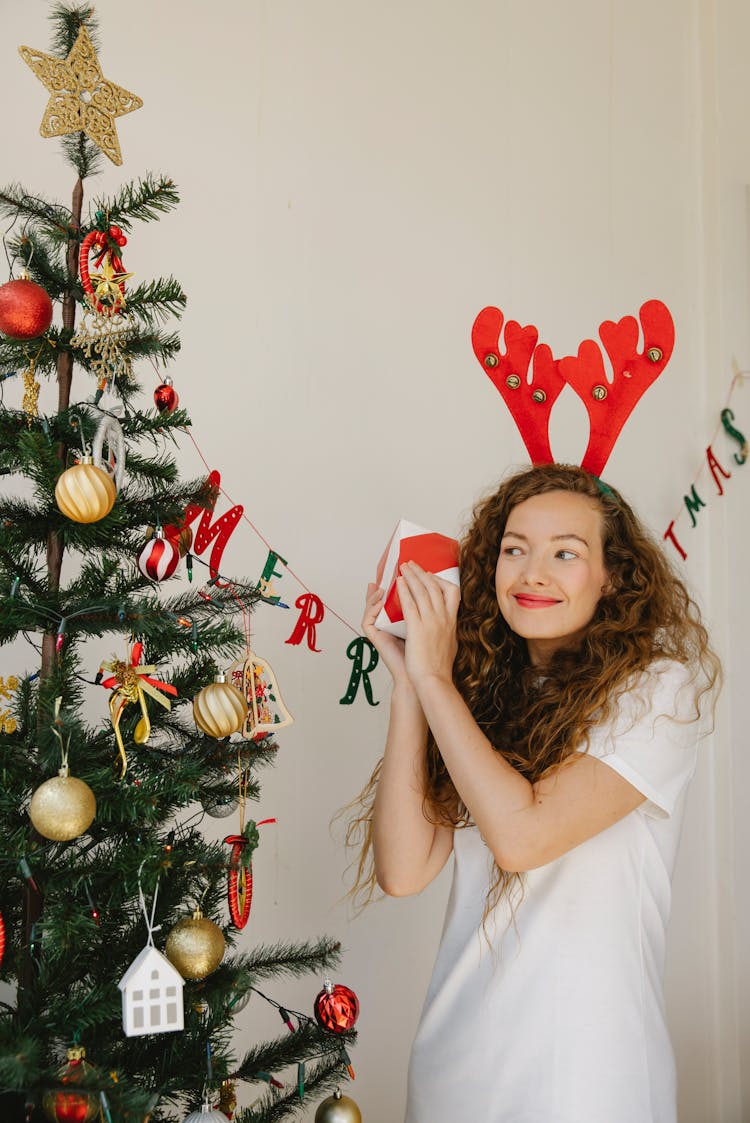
x=338, y=1108
x=219, y=709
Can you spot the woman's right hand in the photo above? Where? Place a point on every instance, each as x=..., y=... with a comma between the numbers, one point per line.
x=390, y=648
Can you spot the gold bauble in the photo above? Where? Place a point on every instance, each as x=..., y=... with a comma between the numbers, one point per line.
x=338, y=1109
x=62, y=808
x=195, y=946
x=85, y=493
x=219, y=709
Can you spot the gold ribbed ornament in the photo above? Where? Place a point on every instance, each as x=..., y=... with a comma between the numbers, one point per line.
x=219, y=709
x=85, y=493
x=63, y=807
x=338, y=1108
x=195, y=946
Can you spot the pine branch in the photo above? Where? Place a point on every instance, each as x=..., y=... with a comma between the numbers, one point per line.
x=16, y=202
x=154, y=302
x=143, y=200
x=325, y=1076
x=290, y=959
x=66, y=24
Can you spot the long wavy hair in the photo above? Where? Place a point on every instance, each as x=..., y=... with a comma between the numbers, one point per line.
x=535, y=721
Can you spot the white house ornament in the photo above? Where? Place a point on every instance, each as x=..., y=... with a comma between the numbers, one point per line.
x=152, y=1000
x=82, y=99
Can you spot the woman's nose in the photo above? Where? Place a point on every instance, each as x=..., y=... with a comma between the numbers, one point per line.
x=535, y=570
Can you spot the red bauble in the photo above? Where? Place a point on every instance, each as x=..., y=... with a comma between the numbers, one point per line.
x=159, y=557
x=72, y=1106
x=336, y=1008
x=25, y=309
x=165, y=397
x=2, y=937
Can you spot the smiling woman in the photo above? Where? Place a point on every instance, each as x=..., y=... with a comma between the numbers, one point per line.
x=544, y=728
x=550, y=574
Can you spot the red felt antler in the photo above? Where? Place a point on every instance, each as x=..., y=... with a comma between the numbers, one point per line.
x=530, y=402
x=609, y=404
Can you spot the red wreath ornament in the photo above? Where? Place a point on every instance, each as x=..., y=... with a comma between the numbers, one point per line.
x=112, y=283
x=240, y=885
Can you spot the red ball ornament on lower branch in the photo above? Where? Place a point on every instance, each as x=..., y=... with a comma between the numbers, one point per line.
x=69, y=1104
x=336, y=1008
x=159, y=558
x=25, y=309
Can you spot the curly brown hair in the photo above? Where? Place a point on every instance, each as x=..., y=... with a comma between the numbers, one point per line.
x=537, y=721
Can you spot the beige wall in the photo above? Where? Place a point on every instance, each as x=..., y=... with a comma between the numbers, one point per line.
x=358, y=180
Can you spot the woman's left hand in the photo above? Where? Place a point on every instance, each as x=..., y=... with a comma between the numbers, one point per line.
x=430, y=606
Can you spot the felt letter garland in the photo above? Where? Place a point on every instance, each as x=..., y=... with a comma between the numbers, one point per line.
x=312, y=613
x=715, y=467
x=727, y=416
x=221, y=530
x=360, y=673
x=266, y=578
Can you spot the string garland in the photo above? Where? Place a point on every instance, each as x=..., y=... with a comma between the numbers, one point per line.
x=692, y=502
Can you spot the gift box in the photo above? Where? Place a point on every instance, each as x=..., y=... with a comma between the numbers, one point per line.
x=434, y=552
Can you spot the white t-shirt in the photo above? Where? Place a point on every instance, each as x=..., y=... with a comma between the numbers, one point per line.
x=561, y=1019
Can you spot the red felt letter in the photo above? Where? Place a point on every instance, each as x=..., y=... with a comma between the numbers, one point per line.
x=313, y=611
x=221, y=530
x=669, y=533
x=715, y=467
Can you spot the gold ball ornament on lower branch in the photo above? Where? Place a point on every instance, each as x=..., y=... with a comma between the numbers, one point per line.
x=219, y=709
x=195, y=946
x=338, y=1108
x=85, y=493
x=63, y=807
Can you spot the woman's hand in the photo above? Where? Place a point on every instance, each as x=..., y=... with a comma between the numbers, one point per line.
x=430, y=606
x=389, y=648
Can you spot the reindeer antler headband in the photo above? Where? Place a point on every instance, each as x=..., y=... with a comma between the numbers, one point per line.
x=609, y=403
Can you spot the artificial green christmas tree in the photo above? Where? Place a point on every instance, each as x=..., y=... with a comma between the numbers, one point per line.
x=101, y=847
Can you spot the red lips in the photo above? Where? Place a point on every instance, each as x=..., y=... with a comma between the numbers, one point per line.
x=526, y=600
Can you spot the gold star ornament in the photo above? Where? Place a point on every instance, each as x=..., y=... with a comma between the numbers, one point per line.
x=82, y=100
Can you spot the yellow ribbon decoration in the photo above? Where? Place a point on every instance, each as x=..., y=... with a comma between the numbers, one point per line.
x=131, y=686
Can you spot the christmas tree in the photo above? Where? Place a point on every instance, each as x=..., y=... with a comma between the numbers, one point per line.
x=104, y=863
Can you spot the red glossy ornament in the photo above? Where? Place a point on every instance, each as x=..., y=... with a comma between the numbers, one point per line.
x=166, y=398
x=158, y=559
x=2, y=937
x=25, y=309
x=74, y=1106
x=336, y=1008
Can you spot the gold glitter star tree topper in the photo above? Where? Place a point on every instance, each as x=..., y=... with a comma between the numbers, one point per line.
x=82, y=99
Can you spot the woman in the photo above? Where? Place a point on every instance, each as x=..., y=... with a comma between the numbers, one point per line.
x=544, y=725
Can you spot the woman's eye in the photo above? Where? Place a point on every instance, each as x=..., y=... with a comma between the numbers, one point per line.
x=566, y=554
x=511, y=551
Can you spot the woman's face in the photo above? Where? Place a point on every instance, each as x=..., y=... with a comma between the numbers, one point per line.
x=550, y=574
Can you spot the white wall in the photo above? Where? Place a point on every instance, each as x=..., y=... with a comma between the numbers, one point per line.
x=358, y=180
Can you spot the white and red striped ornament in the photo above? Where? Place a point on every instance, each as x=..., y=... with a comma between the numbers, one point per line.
x=159, y=557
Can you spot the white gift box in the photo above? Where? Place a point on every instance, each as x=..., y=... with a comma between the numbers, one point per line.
x=436, y=553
